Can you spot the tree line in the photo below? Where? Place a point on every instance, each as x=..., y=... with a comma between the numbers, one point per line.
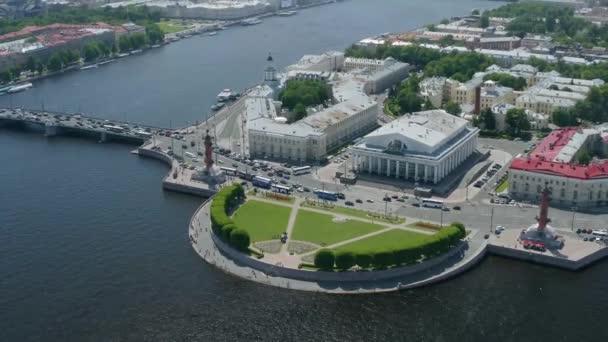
x=222, y=225
x=410, y=253
x=300, y=94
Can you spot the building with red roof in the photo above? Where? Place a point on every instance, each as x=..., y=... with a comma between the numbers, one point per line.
x=555, y=162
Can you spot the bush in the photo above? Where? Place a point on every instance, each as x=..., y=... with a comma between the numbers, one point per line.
x=461, y=228
x=324, y=259
x=345, y=260
x=226, y=230
x=239, y=239
x=384, y=259
x=364, y=260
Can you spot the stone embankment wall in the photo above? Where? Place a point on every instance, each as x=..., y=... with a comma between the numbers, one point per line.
x=530, y=256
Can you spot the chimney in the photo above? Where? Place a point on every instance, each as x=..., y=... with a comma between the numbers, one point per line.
x=477, y=109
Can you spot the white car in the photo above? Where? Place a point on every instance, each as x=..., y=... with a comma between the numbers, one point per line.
x=500, y=228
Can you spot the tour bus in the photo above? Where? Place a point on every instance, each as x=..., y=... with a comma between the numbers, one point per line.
x=261, y=182
x=300, y=170
x=281, y=189
x=430, y=203
x=191, y=155
x=245, y=175
x=327, y=195
x=600, y=233
x=228, y=170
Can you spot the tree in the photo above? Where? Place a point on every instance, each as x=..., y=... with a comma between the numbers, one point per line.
x=475, y=12
x=364, y=260
x=299, y=112
x=39, y=68
x=461, y=228
x=55, y=63
x=563, y=117
x=305, y=92
x=324, y=259
x=444, y=21
x=345, y=260
x=517, y=120
x=138, y=40
x=30, y=64
x=452, y=108
x=383, y=259
x=487, y=119
x=584, y=158
x=124, y=43
x=239, y=239
x=154, y=33
x=90, y=52
x=484, y=20
x=553, y=87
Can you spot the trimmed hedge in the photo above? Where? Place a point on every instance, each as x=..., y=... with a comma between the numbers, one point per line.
x=221, y=223
x=324, y=259
x=410, y=253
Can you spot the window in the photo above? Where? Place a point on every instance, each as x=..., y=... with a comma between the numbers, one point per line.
x=527, y=187
x=562, y=193
x=575, y=195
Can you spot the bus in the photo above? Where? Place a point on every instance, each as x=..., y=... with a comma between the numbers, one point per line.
x=600, y=233
x=228, y=170
x=327, y=195
x=245, y=175
x=261, y=182
x=430, y=203
x=191, y=155
x=300, y=170
x=281, y=189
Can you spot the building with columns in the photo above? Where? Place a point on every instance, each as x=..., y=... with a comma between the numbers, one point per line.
x=422, y=147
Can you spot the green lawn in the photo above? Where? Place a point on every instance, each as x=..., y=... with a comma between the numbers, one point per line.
x=502, y=186
x=171, y=27
x=263, y=221
x=357, y=213
x=322, y=230
x=390, y=240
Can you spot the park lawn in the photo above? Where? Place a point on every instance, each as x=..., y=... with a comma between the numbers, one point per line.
x=171, y=27
x=390, y=240
x=356, y=213
x=502, y=186
x=322, y=230
x=263, y=221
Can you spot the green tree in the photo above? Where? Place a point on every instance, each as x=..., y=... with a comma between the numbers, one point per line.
x=461, y=228
x=345, y=260
x=384, y=259
x=364, y=260
x=239, y=239
x=484, y=20
x=444, y=21
x=124, y=43
x=154, y=33
x=324, y=259
x=475, y=12
x=30, y=64
x=91, y=52
x=517, y=120
x=55, y=62
x=138, y=40
x=563, y=117
x=487, y=119
x=299, y=112
x=226, y=230
x=452, y=108
x=584, y=158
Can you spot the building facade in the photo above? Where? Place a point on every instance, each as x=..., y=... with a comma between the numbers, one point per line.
x=422, y=147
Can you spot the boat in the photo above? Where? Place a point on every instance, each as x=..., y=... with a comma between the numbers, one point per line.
x=225, y=95
x=287, y=13
x=217, y=107
x=212, y=33
x=134, y=52
x=87, y=67
x=20, y=87
x=123, y=55
x=155, y=46
x=250, y=21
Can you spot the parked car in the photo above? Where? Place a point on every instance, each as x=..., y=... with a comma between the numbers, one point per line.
x=358, y=201
x=456, y=207
x=349, y=203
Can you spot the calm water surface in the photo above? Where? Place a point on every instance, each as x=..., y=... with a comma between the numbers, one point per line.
x=92, y=249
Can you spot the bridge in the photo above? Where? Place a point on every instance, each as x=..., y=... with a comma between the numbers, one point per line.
x=52, y=124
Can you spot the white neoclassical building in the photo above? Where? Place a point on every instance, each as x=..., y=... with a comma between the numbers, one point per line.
x=423, y=147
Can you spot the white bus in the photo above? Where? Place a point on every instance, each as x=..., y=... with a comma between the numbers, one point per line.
x=229, y=171
x=191, y=155
x=300, y=170
x=281, y=189
x=430, y=203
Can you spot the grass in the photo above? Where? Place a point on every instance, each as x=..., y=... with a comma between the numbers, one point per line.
x=502, y=186
x=357, y=213
x=322, y=230
x=263, y=221
x=171, y=27
x=390, y=240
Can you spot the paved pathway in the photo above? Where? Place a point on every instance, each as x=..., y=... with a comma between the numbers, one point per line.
x=291, y=223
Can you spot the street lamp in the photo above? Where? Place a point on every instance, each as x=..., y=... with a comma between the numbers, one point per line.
x=574, y=209
x=491, y=218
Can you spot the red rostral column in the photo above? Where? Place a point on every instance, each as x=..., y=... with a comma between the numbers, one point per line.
x=208, y=151
x=543, y=218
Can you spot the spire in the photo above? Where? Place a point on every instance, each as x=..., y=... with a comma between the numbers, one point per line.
x=269, y=59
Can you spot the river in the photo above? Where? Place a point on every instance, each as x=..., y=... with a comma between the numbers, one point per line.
x=92, y=249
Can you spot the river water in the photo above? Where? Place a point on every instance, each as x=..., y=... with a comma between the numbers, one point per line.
x=92, y=249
